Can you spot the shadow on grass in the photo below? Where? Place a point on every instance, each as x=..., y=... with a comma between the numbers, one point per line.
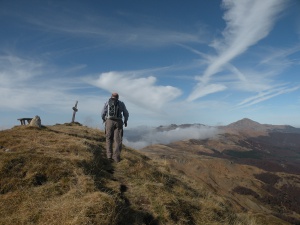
x=102, y=170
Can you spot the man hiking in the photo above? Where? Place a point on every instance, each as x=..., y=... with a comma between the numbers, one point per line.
x=112, y=114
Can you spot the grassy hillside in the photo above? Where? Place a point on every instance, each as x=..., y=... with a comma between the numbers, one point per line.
x=59, y=175
x=262, y=186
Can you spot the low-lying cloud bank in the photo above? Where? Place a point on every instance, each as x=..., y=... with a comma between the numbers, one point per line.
x=141, y=137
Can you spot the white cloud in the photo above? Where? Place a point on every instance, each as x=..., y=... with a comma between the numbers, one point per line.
x=29, y=83
x=205, y=89
x=14, y=70
x=247, y=22
x=265, y=95
x=143, y=136
x=279, y=58
x=249, y=81
x=139, y=90
x=29, y=86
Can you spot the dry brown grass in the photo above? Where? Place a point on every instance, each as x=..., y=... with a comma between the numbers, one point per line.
x=257, y=197
x=59, y=175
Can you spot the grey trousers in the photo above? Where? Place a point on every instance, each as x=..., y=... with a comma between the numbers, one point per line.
x=114, y=136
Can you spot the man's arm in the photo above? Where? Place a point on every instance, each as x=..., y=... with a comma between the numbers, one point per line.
x=125, y=114
x=104, y=112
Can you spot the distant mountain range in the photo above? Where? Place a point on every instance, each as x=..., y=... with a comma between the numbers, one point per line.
x=249, y=126
x=256, y=166
x=240, y=126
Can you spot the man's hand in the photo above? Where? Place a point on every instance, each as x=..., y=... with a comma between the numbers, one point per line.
x=125, y=123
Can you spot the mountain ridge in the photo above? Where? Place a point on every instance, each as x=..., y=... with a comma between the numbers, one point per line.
x=248, y=124
x=243, y=126
x=250, y=163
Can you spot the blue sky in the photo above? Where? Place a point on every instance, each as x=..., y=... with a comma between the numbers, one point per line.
x=210, y=62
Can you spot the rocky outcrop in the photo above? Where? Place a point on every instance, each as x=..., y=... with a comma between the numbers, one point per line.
x=36, y=122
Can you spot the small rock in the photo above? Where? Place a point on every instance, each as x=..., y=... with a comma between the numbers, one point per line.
x=36, y=122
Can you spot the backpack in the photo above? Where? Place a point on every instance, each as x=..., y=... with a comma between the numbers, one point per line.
x=113, y=110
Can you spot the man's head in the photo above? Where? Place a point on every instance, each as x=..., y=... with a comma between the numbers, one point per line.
x=115, y=95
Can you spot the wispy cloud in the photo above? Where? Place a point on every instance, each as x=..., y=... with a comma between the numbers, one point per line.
x=247, y=22
x=279, y=58
x=265, y=95
x=139, y=90
x=203, y=90
x=249, y=81
x=27, y=83
x=117, y=31
x=14, y=70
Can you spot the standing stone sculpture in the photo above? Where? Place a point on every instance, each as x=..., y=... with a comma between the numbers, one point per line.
x=36, y=122
x=74, y=111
